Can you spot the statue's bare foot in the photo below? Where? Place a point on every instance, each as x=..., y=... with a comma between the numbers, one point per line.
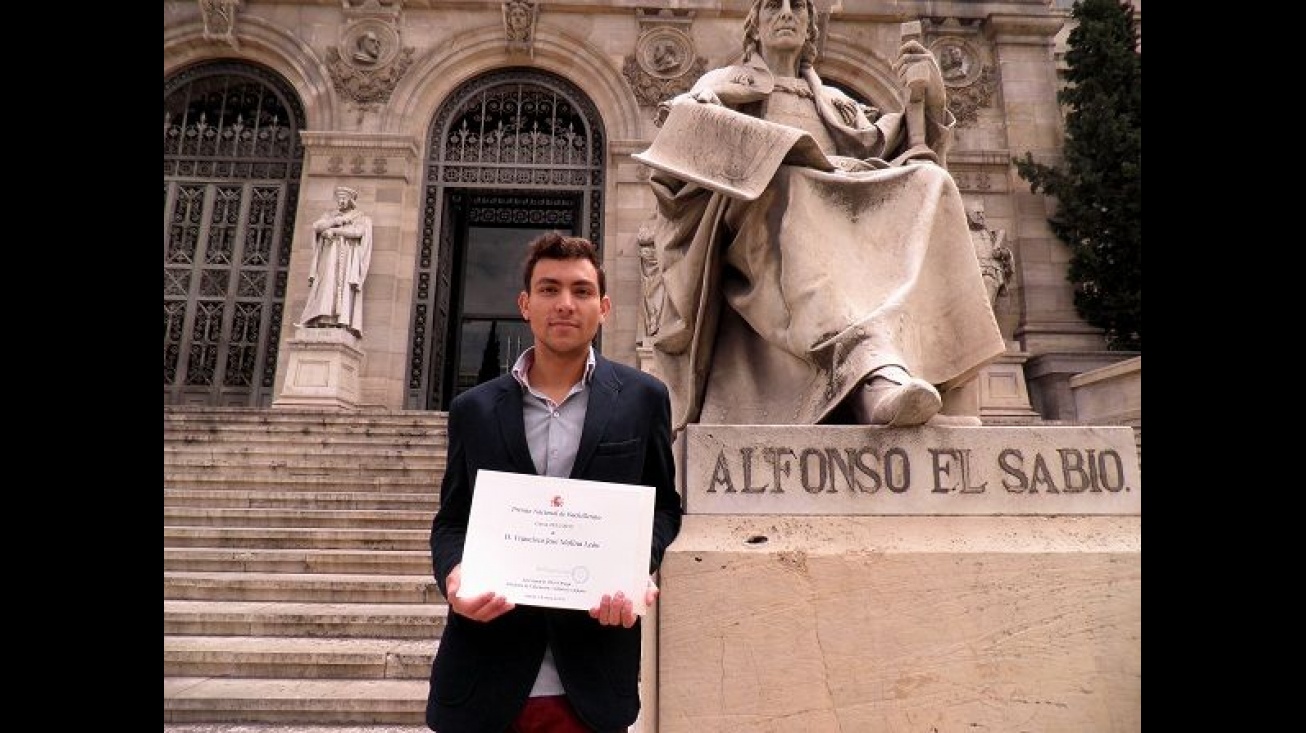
x=883, y=402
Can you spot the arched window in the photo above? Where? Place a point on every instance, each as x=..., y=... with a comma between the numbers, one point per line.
x=232, y=161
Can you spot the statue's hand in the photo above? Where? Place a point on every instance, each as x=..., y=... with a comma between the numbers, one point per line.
x=918, y=71
x=706, y=96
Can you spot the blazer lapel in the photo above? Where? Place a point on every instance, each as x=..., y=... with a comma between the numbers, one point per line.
x=512, y=429
x=605, y=388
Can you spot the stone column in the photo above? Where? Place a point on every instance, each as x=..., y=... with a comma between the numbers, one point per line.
x=1024, y=45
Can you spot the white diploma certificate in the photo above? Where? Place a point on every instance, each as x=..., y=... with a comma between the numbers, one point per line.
x=557, y=542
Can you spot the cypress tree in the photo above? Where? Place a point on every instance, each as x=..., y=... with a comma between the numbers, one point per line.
x=1098, y=185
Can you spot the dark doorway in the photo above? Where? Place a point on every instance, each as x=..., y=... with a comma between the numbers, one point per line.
x=493, y=230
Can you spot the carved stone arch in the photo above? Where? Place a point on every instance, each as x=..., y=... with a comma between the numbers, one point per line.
x=429, y=82
x=266, y=44
x=863, y=72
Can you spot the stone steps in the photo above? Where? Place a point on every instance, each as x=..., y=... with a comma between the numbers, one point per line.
x=286, y=458
x=297, y=560
x=292, y=700
x=307, y=480
x=300, y=728
x=297, y=537
x=298, y=657
x=292, y=450
x=298, y=594
x=340, y=433
x=316, y=500
x=315, y=620
x=360, y=518
x=299, y=587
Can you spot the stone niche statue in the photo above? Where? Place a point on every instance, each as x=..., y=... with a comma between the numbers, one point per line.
x=997, y=264
x=815, y=259
x=342, y=252
x=650, y=280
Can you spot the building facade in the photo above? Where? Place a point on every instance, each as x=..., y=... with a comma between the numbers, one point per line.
x=468, y=126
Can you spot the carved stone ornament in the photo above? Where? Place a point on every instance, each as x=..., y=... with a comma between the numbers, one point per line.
x=969, y=80
x=663, y=65
x=369, y=44
x=519, y=18
x=373, y=5
x=958, y=61
x=220, y=20
x=665, y=53
x=369, y=61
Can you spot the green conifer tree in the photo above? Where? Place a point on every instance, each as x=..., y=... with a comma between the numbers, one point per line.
x=1098, y=185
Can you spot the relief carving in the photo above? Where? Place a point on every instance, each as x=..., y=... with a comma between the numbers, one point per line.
x=519, y=19
x=663, y=65
x=220, y=20
x=369, y=61
x=969, y=80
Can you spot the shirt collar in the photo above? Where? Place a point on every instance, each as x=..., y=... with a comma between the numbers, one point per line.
x=521, y=368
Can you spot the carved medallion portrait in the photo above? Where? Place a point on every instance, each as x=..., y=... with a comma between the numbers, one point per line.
x=369, y=44
x=665, y=53
x=958, y=60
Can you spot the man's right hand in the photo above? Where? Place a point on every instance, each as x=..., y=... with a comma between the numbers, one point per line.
x=484, y=607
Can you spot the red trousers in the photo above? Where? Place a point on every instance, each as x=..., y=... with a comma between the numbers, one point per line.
x=548, y=714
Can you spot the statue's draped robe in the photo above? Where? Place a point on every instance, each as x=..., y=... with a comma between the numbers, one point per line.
x=777, y=308
x=339, y=268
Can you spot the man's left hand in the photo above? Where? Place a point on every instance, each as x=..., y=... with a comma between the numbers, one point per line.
x=620, y=610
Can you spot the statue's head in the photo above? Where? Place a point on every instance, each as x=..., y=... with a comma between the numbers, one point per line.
x=752, y=36
x=345, y=197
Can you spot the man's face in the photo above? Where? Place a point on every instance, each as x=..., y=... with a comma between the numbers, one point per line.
x=783, y=23
x=564, y=307
x=342, y=201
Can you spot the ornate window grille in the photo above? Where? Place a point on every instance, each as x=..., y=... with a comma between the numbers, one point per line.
x=232, y=161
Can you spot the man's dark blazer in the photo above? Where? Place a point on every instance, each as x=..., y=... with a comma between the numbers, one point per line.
x=483, y=672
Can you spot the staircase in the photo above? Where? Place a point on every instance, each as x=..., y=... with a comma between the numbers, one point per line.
x=297, y=589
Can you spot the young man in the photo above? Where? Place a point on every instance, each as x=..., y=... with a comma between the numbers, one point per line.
x=563, y=411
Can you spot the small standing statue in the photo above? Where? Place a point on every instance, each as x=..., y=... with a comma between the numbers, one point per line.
x=651, y=277
x=995, y=257
x=342, y=251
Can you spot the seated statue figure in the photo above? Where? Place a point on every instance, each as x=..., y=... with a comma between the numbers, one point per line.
x=815, y=259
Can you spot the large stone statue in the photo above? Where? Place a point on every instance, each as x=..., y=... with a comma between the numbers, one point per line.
x=815, y=257
x=342, y=251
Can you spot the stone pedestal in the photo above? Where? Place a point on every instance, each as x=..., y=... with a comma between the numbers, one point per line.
x=1050, y=374
x=1111, y=395
x=644, y=354
x=322, y=369
x=848, y=578
x=1003, y=392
